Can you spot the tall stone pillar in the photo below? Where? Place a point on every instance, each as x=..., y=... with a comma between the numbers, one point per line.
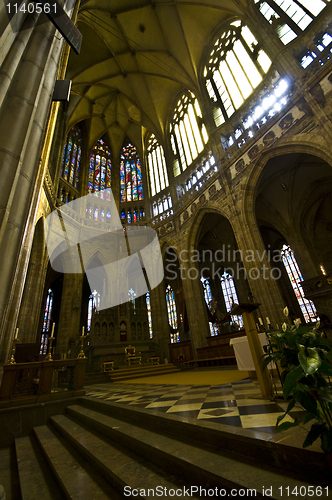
x=23, y=117
x=160, y=323
x=195, y=304
x=33, y=290
x=259, y=268
x=68, y=330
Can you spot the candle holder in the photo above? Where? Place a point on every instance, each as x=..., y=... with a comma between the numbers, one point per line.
x=12, y=357
x=81, y=354
x=49, y=355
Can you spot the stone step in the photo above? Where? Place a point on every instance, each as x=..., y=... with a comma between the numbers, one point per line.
x=123, y=469
x=240, y=444
x=146, y=367
x=96, y=378
x=76, y=477
x=202, y=467
x=118, y=377
x=36, y=480
x=128, y=372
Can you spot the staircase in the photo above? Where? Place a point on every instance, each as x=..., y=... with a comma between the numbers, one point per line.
x=100, y=450
x=130, y=372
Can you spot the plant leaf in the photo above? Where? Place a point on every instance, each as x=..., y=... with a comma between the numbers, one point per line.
x=287, y=425
x=325, y=368
x=291, y=405
x=326, y=393
x=327, y=440
x=310, y=363
x=291, y=381
x=316, y=430
x=308, y=402
x=307, y=418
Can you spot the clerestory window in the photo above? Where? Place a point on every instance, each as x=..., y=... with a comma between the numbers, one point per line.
x=100, y=168
x=188, y=132
x=131, y=182
x=236, y=66
x=157, y=166
x=71, y=158
x=290, y=17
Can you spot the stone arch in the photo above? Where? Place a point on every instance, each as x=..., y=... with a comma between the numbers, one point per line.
x=196, y=222
x=294, y=145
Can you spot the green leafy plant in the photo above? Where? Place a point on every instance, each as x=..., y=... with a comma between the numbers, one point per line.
x=305, y=358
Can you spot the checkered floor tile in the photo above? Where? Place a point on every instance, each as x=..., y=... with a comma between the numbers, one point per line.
x=238, y=404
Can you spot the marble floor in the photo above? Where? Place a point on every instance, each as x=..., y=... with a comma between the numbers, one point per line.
x=238, y=404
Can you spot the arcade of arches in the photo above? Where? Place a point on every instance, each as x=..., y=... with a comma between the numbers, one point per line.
x=212, y=124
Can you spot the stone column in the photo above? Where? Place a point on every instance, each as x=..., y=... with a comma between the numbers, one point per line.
x=23, y=116
x=70, y=314
x=33, y=291
x=160, y=325
x=258, y=266
x=195, y=304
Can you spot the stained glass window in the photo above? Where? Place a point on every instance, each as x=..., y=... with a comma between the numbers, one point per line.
x=71, y=158
x=148, y=308
x=46, y=322
x=290, y=17
x=48, y=311
x=236, y=66
x=230, y=296
x=131, y=182
x=94, y=302
x=100, y=169
x=295, y=277
x=172, y=314
x=132, y=297
x=208, y=300
x=188, y=132
x=157, y=166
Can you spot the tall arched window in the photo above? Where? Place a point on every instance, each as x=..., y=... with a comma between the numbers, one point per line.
x=71, y=159
x=230, y=296
x=94, y=301
x=172, y=314
x=100, y=168
x=188, y=132
x=294, y=274
x=131, y=182
x=132, y=298
x=290, y=17
x=46, y=321
x=157, y=166
x=208, y=299
x=236, y=66
x=148, y=308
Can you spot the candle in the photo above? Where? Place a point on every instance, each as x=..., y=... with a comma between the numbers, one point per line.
x=16, y=334
x=260, y=321
x=52, y=334
x=82, y=331
x=268, y=321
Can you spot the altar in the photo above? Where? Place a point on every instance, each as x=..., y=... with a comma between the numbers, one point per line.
x=242, y=352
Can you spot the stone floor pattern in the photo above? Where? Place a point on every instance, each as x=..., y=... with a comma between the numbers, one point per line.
x=238, y=404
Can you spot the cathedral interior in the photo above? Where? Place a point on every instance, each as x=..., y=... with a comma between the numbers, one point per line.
x=204, y=125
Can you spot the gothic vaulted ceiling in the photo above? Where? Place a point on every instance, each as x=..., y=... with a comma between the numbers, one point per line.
x=136, y=56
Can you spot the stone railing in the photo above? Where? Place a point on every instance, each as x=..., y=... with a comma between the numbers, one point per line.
x=38, y=382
